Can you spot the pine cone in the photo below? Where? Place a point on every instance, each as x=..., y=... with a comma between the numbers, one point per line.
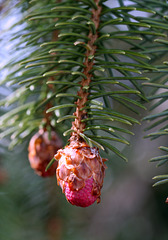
x=41, y=151
x=80, y=173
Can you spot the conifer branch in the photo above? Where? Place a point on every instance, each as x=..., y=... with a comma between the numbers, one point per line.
x=49, y=77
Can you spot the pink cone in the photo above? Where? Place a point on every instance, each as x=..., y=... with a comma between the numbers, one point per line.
x=83, y=197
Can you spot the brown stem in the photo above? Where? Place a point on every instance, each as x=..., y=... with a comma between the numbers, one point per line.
x=78, y=126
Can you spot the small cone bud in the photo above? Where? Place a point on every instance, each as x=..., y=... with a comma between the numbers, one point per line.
x=42, y=148
x=166, y=200
x=80, y=173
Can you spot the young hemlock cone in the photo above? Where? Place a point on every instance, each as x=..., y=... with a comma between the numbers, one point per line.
x=42, y=148
x=80, y=173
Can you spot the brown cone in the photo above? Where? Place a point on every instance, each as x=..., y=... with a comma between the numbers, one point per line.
x=41, y=150
x=77, y=164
